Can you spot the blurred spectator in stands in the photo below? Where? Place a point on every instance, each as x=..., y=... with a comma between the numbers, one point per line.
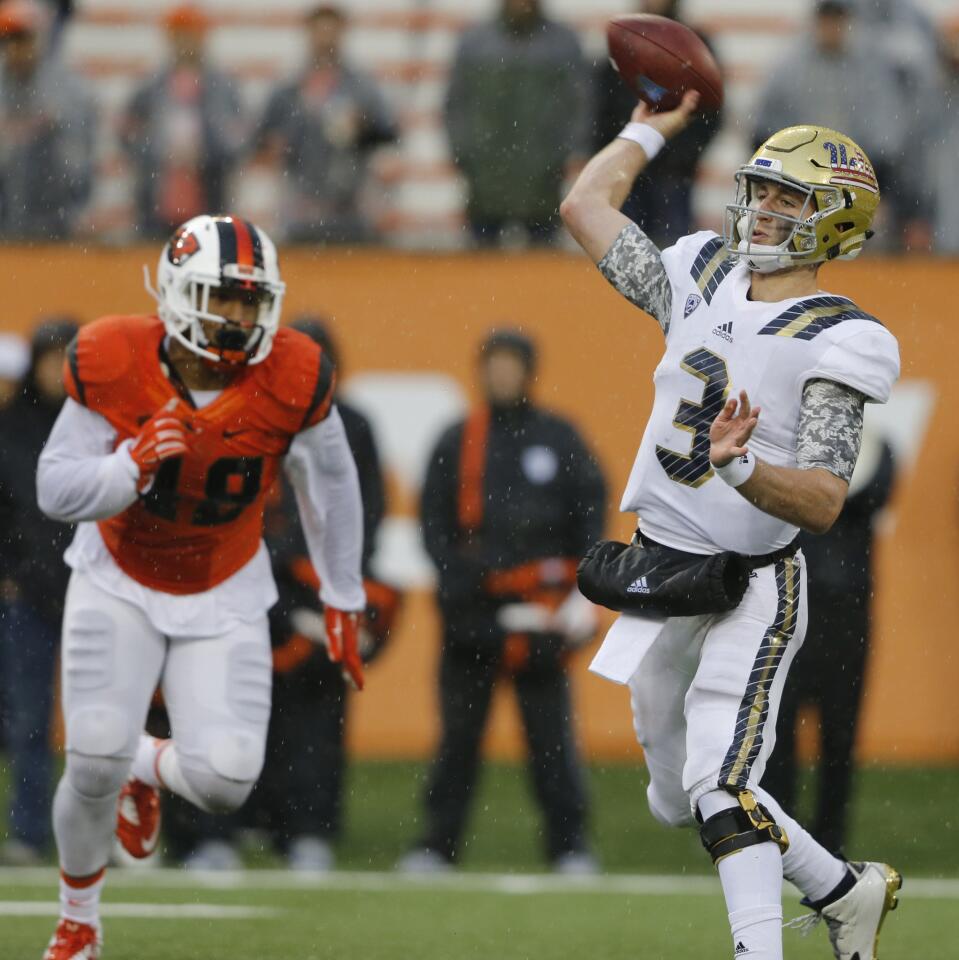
x=322, y=128
x=33, y=584
x=835, y=77
x=299, y=797
x=829, y=670
x=183, y=131
x=61, y=12
x=937, y=126
x=14, y=363
x=905, y=34
x=47, y=132
x=517, y=114
x=661, y=198
x=512, y=499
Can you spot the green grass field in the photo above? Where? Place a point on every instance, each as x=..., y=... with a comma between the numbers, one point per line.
x=376, y=917
x=659, y=898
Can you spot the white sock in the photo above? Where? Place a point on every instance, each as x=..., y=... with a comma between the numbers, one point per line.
x=752, y=881
x=80, y=898
x=757, y=931
x=171, y=777
x=145, y=762
x=807, y=864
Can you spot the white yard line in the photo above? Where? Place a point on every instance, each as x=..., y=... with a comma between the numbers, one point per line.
x=924, y=888
x=142, y=911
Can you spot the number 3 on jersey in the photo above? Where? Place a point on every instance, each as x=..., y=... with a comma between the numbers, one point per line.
x=693, y=469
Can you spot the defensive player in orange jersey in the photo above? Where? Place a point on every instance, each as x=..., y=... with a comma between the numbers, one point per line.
x=174, y=430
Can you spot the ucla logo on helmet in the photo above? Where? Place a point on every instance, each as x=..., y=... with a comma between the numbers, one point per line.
x=855, y=171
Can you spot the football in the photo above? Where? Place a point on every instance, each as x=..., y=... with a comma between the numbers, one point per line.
x=660, y=59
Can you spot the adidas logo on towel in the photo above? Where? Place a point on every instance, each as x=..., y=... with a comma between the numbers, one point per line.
x=724, y=330
x=638, y=586
x=741, y=949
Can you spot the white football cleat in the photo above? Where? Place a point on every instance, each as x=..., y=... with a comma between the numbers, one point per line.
x=310, y=854
x=217, y=855
x=855, y=919
x=421, y=861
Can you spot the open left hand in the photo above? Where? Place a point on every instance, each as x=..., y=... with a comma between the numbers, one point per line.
x=343, y=644
x=731, y=430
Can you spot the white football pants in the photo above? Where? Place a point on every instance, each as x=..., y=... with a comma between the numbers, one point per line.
x=706, y=695
x=217, y=692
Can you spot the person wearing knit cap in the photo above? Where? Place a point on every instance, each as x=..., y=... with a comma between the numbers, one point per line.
x=512, y=498
x=299, y=799
x=183, y=130
x=47, y=128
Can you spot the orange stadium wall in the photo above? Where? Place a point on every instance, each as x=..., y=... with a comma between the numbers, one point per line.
x=398, y=312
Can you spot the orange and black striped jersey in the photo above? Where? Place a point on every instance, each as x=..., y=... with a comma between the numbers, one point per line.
x=202, y=518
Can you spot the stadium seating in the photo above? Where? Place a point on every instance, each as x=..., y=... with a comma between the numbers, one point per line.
x=416, y=197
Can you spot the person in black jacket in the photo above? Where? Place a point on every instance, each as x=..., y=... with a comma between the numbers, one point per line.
x=660, y=201
x=512, y=499
x=298, y=799
x=829, y=669
x=33, y=583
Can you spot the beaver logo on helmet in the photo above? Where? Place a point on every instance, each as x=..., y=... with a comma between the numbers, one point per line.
x=182, y=246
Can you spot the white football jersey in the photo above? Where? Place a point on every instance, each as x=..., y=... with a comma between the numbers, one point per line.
x=718, y=342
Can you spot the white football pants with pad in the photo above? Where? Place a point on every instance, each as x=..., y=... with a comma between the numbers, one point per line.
x=217, y=693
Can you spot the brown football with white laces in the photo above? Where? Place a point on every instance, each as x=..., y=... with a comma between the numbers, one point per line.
x=660, y=59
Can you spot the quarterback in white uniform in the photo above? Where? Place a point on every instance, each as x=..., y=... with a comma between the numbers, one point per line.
x=745, y=323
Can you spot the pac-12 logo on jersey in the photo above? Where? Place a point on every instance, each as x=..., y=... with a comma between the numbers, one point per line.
x=692, y=301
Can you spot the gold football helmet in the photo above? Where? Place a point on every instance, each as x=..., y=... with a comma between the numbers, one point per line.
x=841, y=195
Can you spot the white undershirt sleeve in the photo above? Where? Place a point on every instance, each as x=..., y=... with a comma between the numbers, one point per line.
x=80, y=476
x=320, y=467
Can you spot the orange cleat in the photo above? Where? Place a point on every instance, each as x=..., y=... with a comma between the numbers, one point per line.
x=74, y=941
x=138, y=818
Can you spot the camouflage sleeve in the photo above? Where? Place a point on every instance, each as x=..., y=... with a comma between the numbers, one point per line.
x=634, y=266
x=830, y=427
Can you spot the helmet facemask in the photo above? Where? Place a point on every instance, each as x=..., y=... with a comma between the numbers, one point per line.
x=799, y=230
x=229, y=341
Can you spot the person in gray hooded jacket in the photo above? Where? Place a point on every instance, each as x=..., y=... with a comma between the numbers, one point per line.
x=322, y=128
x=47, y=130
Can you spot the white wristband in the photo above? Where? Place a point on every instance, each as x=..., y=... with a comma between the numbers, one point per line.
x=648, y=137
x=737, y=471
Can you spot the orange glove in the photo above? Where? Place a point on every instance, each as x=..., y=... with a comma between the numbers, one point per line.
x=343, y=644
x=162, y=436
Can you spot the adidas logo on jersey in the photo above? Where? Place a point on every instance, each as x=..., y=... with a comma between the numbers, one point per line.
x=639, y=585
x=741, y=949
x=724, y=330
